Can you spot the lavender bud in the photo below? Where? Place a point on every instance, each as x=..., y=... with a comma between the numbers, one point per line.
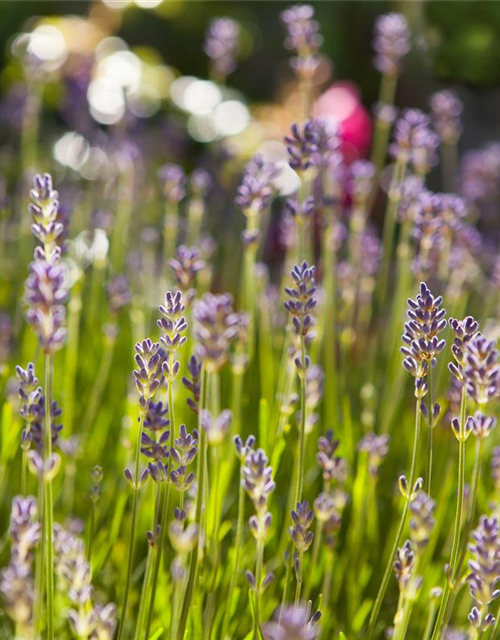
x=391, y=42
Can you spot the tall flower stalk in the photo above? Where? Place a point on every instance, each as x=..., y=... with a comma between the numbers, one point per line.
x=421, y=347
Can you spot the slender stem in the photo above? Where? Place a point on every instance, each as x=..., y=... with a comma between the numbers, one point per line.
x=237, y=550
x=430, y=620
x=430, y=434
x=163, y=511
x=130, y=561
x=24, y=462
x=458, y=521
x=299, y=579
x=91, y=531
x=302, y=434
x=258, y=587
x=198, y=518
x=49, y=507
x=388, y=570
x=315, y=554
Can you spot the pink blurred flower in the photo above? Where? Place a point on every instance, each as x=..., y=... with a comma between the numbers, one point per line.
x=341, y=105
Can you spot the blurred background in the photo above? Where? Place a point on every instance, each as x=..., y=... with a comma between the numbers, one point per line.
x=455, y=44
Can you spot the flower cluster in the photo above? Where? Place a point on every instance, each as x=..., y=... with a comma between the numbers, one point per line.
x=45, y=295
x=485, y=570
x=377, y=447
x=464, y=331
x=303, y=146
x=221, y=45
x=391, y=42
x=119, y=294
x=302, y=518
x=404, y=569
x=192, y=384
x=481, y=371
x=421, y=337
x=216, y=427
x=183, y=454
x=44, y=208
x=414, y=141
x=303, y=38
x=148, y=375
x=446, y=114
x=293, y=623
x=215, y=329
x=301, y=298
x=259, y=484
x=173, y=180
x=173, y=325
x=422, y=521
x=186, y=265
x=16, y=580
x=88, y=620
x=256, y=190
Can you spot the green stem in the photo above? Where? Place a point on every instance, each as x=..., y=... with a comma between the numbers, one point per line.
x=186, y=604
x=49, y=507
x=314, y=559
x=388, y=570
x=458, y=521
x=258, y=584
x=302, y=434
x=237, y=549
x=130, y=561
x=430, y=621
x=430, y=434
x=299, y=579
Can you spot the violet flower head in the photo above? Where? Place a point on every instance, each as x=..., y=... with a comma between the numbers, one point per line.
x=464, y=331
x=243, y=448
x=192, y=383
x=29, y=392
x=45, y=294
x=421, y=337
x=485, y=569
x=302, y=518
x=361, y=179
x=173, y=180
x=377, y=447
x=258, y=479
x=292, y=623
x=36, y=431
x=301, y=300
x=303, y=146
x=221, y=45
x=333, y=467
x=200, y=183
x=148, y=375
x=215, y=329
x=480, y=174
x=481, y=372
x=325, y=507
x=24, y=529
x=256, y=191
x=422, y=521
x=303, y=35
x=173, y=325
x=480, y=425
x=119, y=294
x=446, y=115
x=157, y=417
x=404, y=565
x=414, y=141
x=391, y=42
x=44, y=208
x=216, y=428
x=186, y=265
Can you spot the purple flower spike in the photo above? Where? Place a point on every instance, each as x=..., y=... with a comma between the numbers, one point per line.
x=293, y=622
x=414, y=141
x=391, y=42
x=485, y=569
x=303, y=146
x=221, y=45
x=421, y=337
x=173, y=180
x=446, y=115
x=481, y=371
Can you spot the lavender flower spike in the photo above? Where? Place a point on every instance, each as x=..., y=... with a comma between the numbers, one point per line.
x=391, y=42
x=44, y=208
x=302, y=145
x=293, y=623
x=446, y=111
x=481, y=370
x=221, y=45
x=421, y=337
